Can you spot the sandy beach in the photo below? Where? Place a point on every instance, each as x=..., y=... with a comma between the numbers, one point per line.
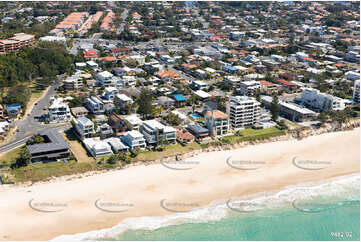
x=44, y=211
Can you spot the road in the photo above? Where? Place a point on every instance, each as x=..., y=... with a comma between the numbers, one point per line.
x=124, y=17
x=29, y=126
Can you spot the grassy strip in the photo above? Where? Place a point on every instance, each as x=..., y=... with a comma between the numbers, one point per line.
x=44, y=171
x=252, y=135
x=169, y=150
x=7, y=158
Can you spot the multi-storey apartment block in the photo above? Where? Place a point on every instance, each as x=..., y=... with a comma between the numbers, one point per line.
x=243, y=111
x=17, y=42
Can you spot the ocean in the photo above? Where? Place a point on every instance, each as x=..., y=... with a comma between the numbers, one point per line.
x=329, y=210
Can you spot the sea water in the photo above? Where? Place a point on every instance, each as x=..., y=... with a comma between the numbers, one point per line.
x=329, y=210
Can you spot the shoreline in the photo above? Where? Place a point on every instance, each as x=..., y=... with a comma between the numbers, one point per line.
x=288, y=136
x=212, y=179
x=219, y=209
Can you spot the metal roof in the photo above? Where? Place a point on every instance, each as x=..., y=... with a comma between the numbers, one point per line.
x=56, y=142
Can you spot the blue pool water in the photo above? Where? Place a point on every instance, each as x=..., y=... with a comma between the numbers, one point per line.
x=195, y=116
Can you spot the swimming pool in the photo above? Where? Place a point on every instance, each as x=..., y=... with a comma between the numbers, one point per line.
x=195, y=115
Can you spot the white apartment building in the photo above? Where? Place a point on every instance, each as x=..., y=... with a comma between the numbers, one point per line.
x=323, y=101
x=134, y=139
x=243, y=111
x=154, y=131
x=59, y=111
x=84, y=127
x=217, y=122
x=356, y=91
x=249, y=88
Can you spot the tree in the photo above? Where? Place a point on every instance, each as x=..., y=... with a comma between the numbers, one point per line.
x=22, y=160
x=112, y=159
x=145, y=103
x=173, y=119
x=275, y=107
x=322, y=117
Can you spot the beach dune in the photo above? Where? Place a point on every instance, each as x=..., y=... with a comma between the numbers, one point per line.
x=47, y=210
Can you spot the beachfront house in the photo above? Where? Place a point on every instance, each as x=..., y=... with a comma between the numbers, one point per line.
x=134, y=139
x=217, y=122
x=97, y=147
x=154, y=132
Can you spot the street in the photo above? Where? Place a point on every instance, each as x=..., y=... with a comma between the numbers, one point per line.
x=28, y=126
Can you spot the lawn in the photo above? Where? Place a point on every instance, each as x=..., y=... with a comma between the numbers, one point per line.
x=43, y=171
x=253, y=134
x=175, y=149
x=77, y=148
x=9, y=157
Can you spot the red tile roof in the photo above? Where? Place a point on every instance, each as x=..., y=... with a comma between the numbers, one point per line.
x=284, y=82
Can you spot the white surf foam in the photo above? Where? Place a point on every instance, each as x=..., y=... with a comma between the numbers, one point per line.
x=346, y=187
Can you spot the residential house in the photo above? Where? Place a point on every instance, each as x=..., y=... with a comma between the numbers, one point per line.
x=201, y=133
x=183, y=136
x=287, y=85
x=117, y=122
x=154, y=132
x=94, y=105
x=13, y=110
x=109, y=94
x=104, y=129
x=179, y=98
x=58, y=111
x=84, y=127
x=164, y=101
x=217, y=122
x=97, y=147
x=269, y=87
x=133, y=122
x=200, y=84
x=134, y=139
x=55, y=147
x=116, y=144
x=79, y=111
